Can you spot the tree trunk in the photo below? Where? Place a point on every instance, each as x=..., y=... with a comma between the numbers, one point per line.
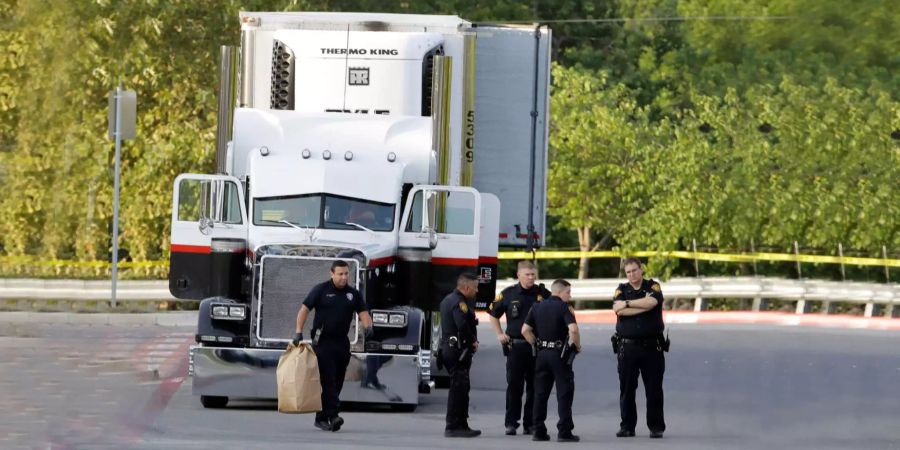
x=584, y=244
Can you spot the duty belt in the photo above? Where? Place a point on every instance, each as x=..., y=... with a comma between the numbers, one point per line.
x=550, y=344
x=640, y=341
x=517, y=341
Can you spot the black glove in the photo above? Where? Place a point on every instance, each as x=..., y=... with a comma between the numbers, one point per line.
x=297, y=338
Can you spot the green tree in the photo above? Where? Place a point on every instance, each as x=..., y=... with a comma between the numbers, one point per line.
x=599, y=174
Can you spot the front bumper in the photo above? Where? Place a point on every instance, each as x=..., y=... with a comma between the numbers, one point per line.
x=250, y=373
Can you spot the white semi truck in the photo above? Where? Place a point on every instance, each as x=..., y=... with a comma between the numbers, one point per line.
x=409, y=146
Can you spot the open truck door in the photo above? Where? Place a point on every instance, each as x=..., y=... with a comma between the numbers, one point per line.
x=209, y=237
x=441, y=237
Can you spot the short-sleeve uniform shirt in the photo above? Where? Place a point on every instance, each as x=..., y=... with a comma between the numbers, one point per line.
x=334, y=308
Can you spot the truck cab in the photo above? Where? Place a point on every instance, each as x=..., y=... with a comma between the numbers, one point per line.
x=351, y=137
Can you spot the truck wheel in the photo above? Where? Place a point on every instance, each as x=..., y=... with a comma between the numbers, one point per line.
x=406, y=407
x=212, y=401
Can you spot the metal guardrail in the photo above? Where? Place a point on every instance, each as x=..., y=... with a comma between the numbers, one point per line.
x=874, y=296
x=757, y=289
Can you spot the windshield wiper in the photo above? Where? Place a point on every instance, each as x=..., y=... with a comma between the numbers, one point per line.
x=290, y=223
x=352, y=224
x=360, y=227
x=310, y=231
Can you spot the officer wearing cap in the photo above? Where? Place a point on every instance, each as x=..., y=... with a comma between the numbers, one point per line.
x=550, y=326
x=459, y=340
x=515, y=302
x=334, y=302
x=639, y=343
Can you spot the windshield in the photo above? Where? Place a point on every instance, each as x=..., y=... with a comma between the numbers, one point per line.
x=323, y=211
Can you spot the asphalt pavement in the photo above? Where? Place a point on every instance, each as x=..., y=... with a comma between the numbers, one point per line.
x=106, y=385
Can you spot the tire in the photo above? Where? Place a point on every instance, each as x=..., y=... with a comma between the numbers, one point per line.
x=212, y=401
x=405, y=407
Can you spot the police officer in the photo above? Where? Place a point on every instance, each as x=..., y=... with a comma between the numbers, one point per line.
x=334, y=302
x=515, y=302
x=551, y=328
x=640, y=344
x=459, y=340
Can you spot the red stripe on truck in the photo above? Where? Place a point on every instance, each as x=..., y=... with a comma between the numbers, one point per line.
x=454, y=261
x=179, y=248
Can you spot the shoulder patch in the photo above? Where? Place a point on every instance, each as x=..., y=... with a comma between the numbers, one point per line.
x=616, y=294
x=656, y=287
x=540, y=297
x=464, y=307
x=499, y=297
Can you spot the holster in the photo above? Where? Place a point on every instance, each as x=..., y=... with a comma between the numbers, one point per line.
x=664, y=343
x=568, y=353
x=506, y=348
x=616, y=341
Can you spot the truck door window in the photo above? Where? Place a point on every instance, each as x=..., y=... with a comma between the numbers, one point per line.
x=193, y=199
x=414, y=222
x=455, y=212
x=231, y=204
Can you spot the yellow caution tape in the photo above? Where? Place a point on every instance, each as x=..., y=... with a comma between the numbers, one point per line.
x=706, y=256
x=27, y=260
x=539, y=254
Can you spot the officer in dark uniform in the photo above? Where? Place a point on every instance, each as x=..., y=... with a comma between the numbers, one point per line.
x=334, y=302
x=459, y=340
x=551, y=328
x=516, y=301
x=639, y=343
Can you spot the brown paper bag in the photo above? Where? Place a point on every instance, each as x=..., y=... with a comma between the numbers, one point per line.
x=299, y=388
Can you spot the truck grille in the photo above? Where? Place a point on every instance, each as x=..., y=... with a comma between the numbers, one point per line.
x=285, y=283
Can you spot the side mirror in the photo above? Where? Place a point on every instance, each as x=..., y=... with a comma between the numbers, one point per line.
x=206, y=225
x=432, y=238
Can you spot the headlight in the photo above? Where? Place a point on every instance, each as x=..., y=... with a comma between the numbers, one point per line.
x=380, y=317
x=237, y=311
x=219, y=312
x=397, y=319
